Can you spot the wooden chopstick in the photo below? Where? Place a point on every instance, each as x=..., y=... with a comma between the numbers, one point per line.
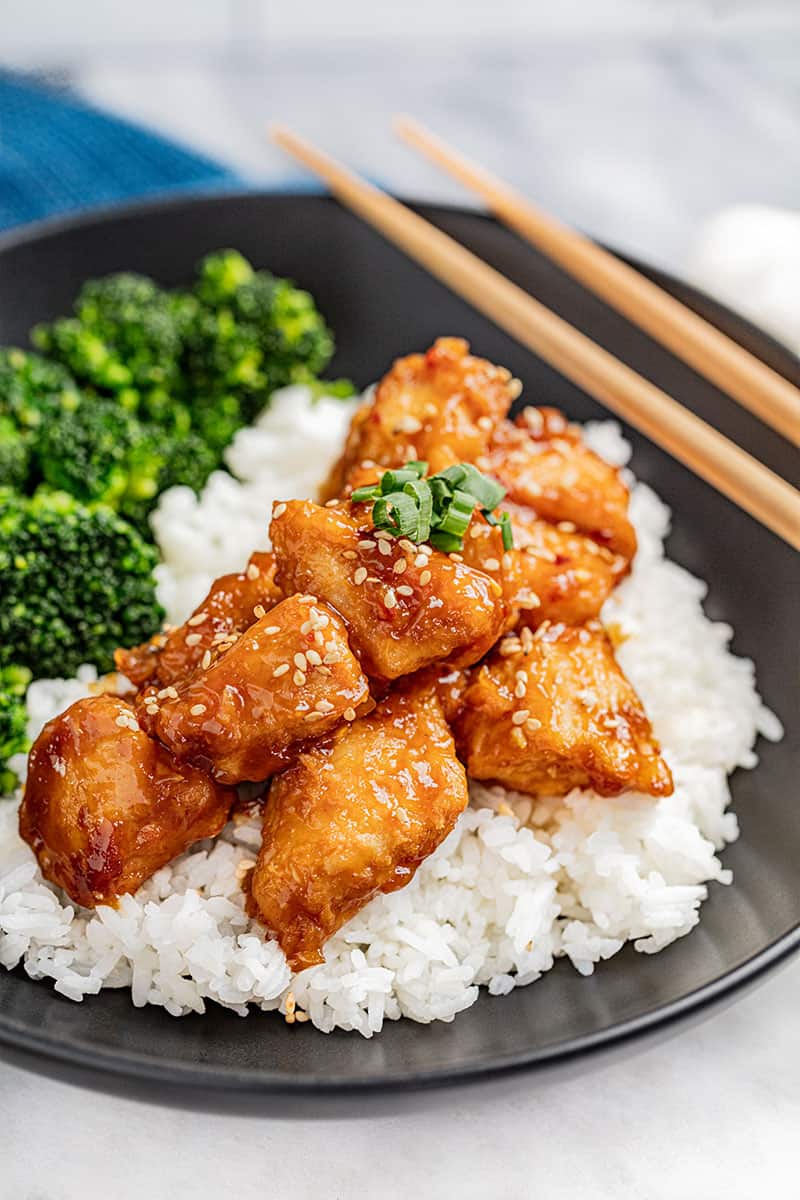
x=709, y=351
x=703, y=449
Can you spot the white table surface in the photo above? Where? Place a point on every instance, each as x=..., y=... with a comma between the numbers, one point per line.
x=638, y=138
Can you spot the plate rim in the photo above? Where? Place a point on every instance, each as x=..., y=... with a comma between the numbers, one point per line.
x=111, y=1063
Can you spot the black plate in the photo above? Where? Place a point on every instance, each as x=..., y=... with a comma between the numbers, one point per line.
x=381, y=305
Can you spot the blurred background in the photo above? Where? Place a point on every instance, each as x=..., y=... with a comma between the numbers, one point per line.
x=638, y=120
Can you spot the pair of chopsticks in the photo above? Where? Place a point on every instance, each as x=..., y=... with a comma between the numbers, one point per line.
x=700, y=447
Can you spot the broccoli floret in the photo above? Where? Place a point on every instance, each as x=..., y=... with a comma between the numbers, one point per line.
x=32, y=389
x=15, y=454
x=75, y=583
x=126, y=338
x=98, y=452
x=14, y=681
x=253, y=333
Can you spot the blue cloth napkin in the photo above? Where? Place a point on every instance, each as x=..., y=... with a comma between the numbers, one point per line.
x=58, y=154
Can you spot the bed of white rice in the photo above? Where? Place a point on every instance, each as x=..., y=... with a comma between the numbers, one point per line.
x=516, y=885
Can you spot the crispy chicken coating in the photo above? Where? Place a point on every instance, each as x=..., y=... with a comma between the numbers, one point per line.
x=405, y=605
x=551, y=711
x=228, y=609
x=542, y=462
x=440, y=407
x=105, y=806
x=290, y=677
x=553, y=575
x=356, y=815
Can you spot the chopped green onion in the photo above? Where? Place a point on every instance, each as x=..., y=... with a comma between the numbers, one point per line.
x=420, y=490
x=397, y=514
x=448, y=542
x=487, y=493
x=453, y=476
x=365, y=493
x=439, y=509
x=507, y=531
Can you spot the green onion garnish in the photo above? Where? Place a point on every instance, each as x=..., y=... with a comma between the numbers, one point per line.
x=439, y=509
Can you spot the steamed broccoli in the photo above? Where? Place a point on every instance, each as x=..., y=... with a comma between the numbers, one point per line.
x=253, y=333
x=33, y=389
x=126, y=338
x=15, y=454
x=75, y=583
x=13, y=722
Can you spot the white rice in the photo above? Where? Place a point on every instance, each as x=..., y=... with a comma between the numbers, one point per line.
x=516, y=885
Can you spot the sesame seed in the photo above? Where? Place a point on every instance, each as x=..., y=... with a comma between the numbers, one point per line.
x=567, y=526
x=193, y=639
x=484, y=422
x=206, y=660
x=366, y=544
x=421, y=560
x=197, y=619
x=406, y=545
x=259, y=611
x=532, y=723
x=389, y=598
x=333, y=656
x=425, y=578
x=162, y=694
x=331, y=503
x=491, y=564
x=298, y=678
x=314, y=716
x=520, y=717
x=172, y=692
x=405, y=590
x=281, y=670
x=384, y=548
x=360, y=575
x=408, y=424
x=278, y=511
x=323, y=706
x=301, y=1016
x=252, y=571
x=350, y=554
x=306, y=627
x=197, y=709
x=349, y=714
x=309, y=599
x=521, y=689
x=400, y=566
x=519, y=737
x=271, y=629
x=457, y=557
x=151, y=710
x=313, y=657
x=318, y=637
x=476, y=531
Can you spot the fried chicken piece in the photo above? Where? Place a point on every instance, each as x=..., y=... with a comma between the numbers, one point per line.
x=543, y=464
x=105, y=806
x=290, y=677
x=356, y=815
x=439, y=407
x=552, y=575
x=551, y=711
x=406, y=606
x=228, y=608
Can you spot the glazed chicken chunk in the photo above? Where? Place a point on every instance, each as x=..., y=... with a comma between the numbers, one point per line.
x=439, y=407
x=229, y=608
x=290, y=677
x=356, y=815
x=551, y=711
x=543, y=464
x=105, y=806
x=405, y=605
x=553, y=575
